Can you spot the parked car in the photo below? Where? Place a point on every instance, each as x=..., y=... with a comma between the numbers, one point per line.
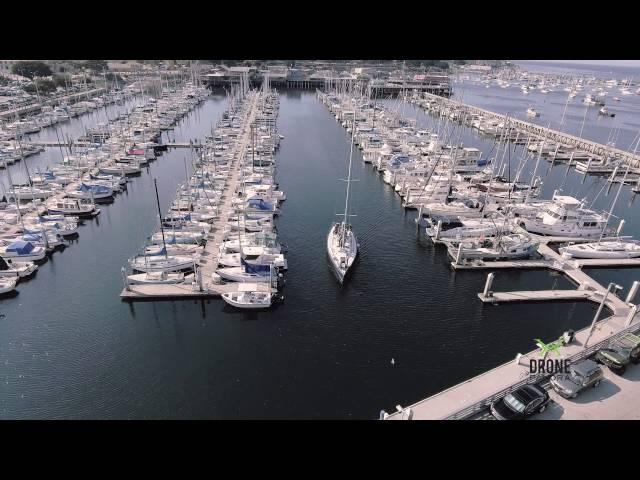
x=581, y=376
x=614, y=357
x=632, y=342
x=521, y=403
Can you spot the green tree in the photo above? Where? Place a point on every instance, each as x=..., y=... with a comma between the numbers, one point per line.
x=61, y=80
x=96, y=65
x=31, y=69
x=44, y=87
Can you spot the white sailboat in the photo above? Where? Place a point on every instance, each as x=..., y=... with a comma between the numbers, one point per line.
x=342, y=244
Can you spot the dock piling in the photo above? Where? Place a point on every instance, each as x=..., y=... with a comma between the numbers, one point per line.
x=459, y=254
x=632, y=291
x=487, y=286
x=631, y=315
x=125, y=279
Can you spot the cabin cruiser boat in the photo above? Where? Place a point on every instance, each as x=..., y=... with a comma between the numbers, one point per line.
x=21, y=251
x=566, y=216
x=71, y=206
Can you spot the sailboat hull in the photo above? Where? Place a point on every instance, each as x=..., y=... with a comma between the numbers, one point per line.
x=341, y=259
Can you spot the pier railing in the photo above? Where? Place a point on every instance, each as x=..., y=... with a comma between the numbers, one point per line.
x=540, y=131
x=483, y=404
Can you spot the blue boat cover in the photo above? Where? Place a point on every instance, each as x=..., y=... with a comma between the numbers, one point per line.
x=161, y=252
x=260, y=204
x=256, y=268
x=20, y=247
x=94, y=188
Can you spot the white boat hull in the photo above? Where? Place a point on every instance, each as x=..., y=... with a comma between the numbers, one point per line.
x=341, y=259
x=603, y=250
x=248, y=300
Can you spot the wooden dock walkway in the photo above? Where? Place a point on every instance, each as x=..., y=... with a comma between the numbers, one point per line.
x=541, y=132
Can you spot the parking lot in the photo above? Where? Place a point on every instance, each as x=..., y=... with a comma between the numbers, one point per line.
x=616, y=398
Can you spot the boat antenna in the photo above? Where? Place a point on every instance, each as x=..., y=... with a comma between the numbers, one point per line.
x=155, y=183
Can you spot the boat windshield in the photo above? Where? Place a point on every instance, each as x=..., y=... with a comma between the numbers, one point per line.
x=514, y=403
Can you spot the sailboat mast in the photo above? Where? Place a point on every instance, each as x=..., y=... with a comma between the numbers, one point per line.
x=615, y=200
x=155, y=183
x=346, y=202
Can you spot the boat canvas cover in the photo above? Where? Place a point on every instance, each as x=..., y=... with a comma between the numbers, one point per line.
x=20, y=247
x=94, y=188
x=260, y=204
x=162, y=251
x=258, y=269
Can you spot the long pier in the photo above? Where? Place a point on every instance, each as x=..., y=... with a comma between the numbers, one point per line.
x=561, y=138
x=469, y=398
x=473, y=396
x=35, y=107
x=49, y=143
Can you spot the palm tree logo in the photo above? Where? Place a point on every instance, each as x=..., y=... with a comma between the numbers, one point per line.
x=546, y=348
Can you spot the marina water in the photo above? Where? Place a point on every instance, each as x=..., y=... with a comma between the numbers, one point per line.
x=70, y=348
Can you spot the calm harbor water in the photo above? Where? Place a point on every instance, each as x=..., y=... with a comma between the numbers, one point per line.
x=69, y=348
